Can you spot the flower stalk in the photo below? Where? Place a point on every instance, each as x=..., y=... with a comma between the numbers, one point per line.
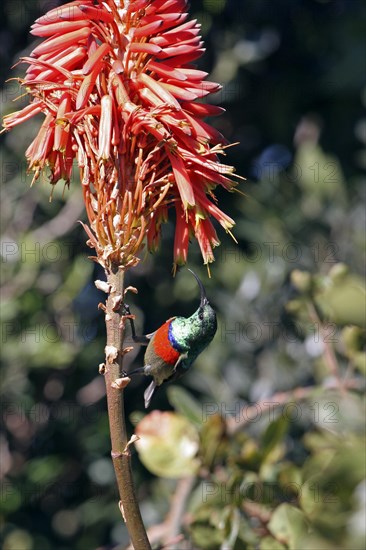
x=113, y=371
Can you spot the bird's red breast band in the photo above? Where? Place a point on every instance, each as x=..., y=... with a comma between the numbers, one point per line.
x=162, y=346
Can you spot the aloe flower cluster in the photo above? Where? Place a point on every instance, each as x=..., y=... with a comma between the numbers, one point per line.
x=121, y=95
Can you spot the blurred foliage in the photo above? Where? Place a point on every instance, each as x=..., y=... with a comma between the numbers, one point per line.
x=273, y=411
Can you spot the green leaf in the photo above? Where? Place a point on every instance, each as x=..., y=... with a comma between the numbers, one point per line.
x=273, y=435
x=321, y=174
x=269, y=543
x=168, y=444
x=44, y=470
x=18, y=539
x=343, y=301
x=354, y=341
x=213, y=441
x=11, y=498
x=288, y=525
x=331, y=476
x=234, y=526
x=185, y=404
x=207, y=528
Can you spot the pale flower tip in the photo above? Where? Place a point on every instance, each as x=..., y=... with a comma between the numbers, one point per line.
x=105, y=127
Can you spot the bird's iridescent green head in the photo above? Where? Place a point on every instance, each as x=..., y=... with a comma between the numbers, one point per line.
x=205, y=313
x=196, y=331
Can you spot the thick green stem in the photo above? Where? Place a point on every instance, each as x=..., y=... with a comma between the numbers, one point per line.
x=121, y=454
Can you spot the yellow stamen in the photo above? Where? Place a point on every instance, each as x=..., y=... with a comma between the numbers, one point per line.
x=232, y=236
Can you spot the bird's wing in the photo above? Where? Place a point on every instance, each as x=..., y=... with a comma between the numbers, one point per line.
x=152, y=387
x=180, y=359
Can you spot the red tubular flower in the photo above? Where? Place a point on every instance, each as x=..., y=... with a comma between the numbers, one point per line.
x=116, y=83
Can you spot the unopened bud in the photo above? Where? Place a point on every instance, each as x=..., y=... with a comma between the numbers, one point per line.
x=338, y=272
x=302, y=280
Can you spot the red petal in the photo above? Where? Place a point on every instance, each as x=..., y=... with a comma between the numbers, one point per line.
x=207, y=238
x=62, y=128
x=159, y=89
x=205, y=131
x=68, y=39
x=39, y=64
x=184, y=27
x=145, y=48
x=179, y=92
x=202, y=109
x=169, y=19
x=136, y=5
x=99, y=14
x=165, y=70
x=60, y=27
x=194, y=74
x=213, y=210
x=68, y=12
x=86, y=88
x=95, y=58
x=181, y=238
x=147, y=30
x=150, y=97
x=164, y=5
x=20, y=116
x=176, y=50
x=69, y=61
x=170, y=39
x=120, y=92
x=184, y=59
x=63, y=54
x=182, y=179
x=197, y=93
x=41, y=145
x=173, y=5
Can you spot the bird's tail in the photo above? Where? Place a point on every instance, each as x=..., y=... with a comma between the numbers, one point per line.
x=149, y=392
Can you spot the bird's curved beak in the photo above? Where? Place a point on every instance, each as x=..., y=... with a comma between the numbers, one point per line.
x=204, y=299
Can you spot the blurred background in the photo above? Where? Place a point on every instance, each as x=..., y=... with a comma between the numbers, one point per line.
x=285, y=471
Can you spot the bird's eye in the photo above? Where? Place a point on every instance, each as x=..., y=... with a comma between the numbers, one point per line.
x=200, y=315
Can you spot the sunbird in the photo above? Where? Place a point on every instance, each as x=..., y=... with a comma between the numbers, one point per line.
x=174, y=346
